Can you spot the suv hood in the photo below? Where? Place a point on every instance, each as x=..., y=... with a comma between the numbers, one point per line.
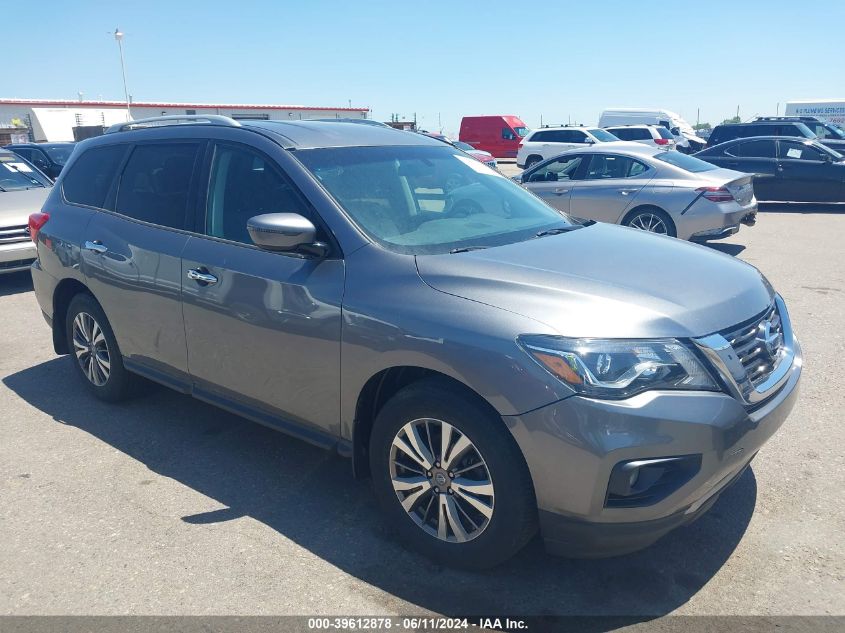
x=606, y=281
x=15, y=206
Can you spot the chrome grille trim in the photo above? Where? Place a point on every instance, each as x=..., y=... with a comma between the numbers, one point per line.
x=750, y=370
x=12, y=234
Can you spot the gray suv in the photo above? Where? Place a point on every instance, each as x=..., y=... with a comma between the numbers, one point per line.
x=493, y=366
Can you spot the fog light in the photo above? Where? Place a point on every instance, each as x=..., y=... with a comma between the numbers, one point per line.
x=643, y=482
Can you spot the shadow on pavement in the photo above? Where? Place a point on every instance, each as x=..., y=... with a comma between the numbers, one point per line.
x=308, y=495
x=730, y=249
x=15, y=283
x=802, y=207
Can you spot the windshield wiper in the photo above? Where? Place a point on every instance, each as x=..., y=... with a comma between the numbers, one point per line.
x=1, y=189
x=466, y=249
x=558, y=230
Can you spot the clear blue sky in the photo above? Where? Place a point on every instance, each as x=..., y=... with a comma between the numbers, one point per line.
x=557, y=59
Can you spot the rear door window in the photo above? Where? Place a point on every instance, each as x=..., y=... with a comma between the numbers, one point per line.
x=156, y=183
x=621, y=133
x=91, y=176
x=755, y=149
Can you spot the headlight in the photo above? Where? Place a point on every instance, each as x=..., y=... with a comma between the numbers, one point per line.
x=619, y=368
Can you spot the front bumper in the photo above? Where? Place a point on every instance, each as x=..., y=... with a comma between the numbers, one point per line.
x=16, y=256
x=571, y=447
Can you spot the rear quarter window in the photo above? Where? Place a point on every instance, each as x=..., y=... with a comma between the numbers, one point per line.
x=90, y=178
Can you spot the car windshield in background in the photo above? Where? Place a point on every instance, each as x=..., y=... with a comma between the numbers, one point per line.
x=604, y=135
x=58, y=153
x=425, y=200
x=17, y=174
x=835, y=131
x=664, y=133
x=463, y=146
x=521, y=132
x=805, y=131
x=685, y=162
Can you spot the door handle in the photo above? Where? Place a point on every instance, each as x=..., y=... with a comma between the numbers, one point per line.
x=560, y=191
x=625, y=192
x=95, y=247
x=202, y=276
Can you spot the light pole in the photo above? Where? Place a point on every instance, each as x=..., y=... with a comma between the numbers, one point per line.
x=118, y=35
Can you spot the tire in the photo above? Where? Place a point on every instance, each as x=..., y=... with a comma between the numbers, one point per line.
x=101, y=370
x=531, y=161
x=653, y=216
x=503, y=521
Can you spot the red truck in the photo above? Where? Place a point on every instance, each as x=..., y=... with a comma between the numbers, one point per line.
x=498, y=134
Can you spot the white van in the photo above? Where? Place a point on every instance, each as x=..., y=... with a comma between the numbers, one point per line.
x=685, y=136
x=830, y=110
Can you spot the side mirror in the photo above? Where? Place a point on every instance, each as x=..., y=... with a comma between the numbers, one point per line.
x=286, y=233
x=517, y=179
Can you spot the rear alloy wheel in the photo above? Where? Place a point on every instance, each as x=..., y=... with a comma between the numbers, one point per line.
x=450, y=478
x=94, y=350
x=652, y=221
x=91, y=349
x=531, y=161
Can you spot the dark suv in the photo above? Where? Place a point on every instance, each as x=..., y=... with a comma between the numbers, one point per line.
x=769, y=126
x=494, y=366
x=824, y=130
x=48, y=157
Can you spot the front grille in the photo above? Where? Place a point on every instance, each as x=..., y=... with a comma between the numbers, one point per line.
x=12, y=234
x=16, y=263
x=758, y=344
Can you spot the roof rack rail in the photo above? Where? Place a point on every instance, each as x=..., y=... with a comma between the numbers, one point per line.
x=174, y=119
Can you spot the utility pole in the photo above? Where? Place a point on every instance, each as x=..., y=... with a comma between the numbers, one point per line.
x=118, y=36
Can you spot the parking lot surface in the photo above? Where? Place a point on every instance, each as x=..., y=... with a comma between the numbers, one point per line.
x=165, y=505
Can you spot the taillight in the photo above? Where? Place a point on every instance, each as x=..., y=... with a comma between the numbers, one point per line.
x=715, y=194
x=661, y=141
x=36, y=221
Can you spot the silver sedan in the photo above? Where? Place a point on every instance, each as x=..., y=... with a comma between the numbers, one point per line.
x=646, y=188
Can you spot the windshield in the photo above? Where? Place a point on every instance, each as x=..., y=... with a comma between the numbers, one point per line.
x=58, y=153
x=685, y=162
x=463, y=146
x=521, y=132
x=603, y=135
x=423, y=200
x=17, y=174
x=833, y=131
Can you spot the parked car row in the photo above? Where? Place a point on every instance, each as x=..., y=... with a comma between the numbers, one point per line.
x=648, y=188
x=494, y=367
x=50, y=158
x=786, y=169
x=23, y=189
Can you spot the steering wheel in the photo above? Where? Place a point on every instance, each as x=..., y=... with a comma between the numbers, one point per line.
x=464, y=207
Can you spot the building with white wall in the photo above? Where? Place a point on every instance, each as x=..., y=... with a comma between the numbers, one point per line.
x=55, y=120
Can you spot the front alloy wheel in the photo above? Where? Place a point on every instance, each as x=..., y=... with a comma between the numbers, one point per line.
x=91, y=349
x=441, y=480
